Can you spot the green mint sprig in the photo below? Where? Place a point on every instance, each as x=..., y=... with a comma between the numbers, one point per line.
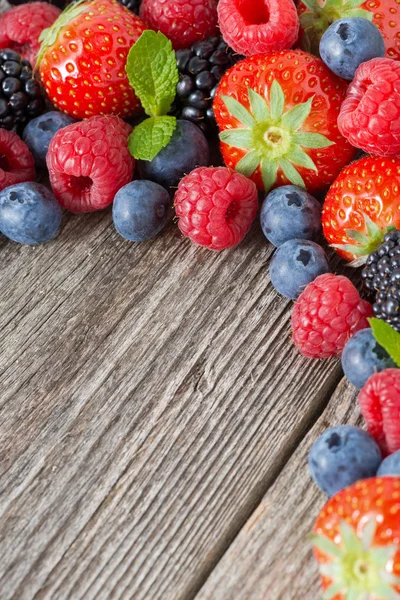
x=153, y=74
x=387, y=337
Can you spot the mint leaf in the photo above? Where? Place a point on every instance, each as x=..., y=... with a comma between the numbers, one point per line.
x=386, y=337
x=152, y=72
x=150, y=136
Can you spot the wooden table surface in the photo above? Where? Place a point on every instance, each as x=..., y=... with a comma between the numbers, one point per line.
x=155, y=422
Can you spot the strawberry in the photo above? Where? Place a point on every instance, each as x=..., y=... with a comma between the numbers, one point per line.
x=362, y=206
x=82, y=59
x=317, y=15
x=277, y=117
x=357, y=541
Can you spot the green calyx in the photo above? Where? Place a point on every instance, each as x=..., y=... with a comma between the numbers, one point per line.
x=272, y=137
x=320, y=15
x=358, y=569
x=364, y=243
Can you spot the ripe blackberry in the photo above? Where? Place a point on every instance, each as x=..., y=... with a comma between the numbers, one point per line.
x=200, y=69
x=21, y=95
x=132, y=5
x=381, y=277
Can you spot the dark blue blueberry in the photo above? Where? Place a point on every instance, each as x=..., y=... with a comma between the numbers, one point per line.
x=363, y=356
x=40, y=131
x=289, y=213
x=341, y=456
x=390, y=466
x=140, y=210
x=29, y=213
x=349, y=42
x=187, y=150
x=295, y=264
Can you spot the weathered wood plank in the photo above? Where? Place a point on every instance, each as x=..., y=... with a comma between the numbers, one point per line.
x=149, y=396
x=271, y=557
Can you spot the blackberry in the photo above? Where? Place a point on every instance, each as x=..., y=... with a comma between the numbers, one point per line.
x=132, y=5
x=381, y=277
x=200, y=69
x=21, y=95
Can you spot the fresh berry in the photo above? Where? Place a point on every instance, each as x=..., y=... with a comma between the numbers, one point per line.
x=16, y=162
x=370, y=115
x=132, y=5
x=89, y=162
x=216, y=207
x=187, y=149
x=182, y=21
x=277, y=115
x=326, y=315
x=21, y=95
x=380, y=405
x=295, y=264
x=289, y=213
x=390, y=466
x=258, y=27
x=40, y=131
x=29, y=213
x=200, y=70
x=317, y=15
x=349, y=42
x=140, y=210
x=362, y=357
x=356, y=541
x=83, y=56
x=20, y=27
x=381, y=278
x=341, y=456
x=361, y=205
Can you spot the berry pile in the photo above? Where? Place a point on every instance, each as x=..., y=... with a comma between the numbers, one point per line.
x=123, y=109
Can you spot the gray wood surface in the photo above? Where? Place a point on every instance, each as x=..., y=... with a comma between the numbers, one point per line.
x=150, y=397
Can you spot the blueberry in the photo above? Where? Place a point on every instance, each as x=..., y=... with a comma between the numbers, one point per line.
x=390, y=466
x=295, y=264
x=140, y=210
x=363, y=356
x=40, y=131
x=349, y=42
x=341, y=456
x=29, y=213
x=187, y=150
x=289, y=213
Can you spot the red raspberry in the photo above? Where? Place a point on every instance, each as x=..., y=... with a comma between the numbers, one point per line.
x=89, y=162
x=182, y=21
x=327, y=313
x=370, y=115
x=216, y=206
x=380, y=405
x=16, y=161
x=21, y=27
x=261, y=27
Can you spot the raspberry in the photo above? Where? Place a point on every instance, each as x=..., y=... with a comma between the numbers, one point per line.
x=380, y=405
x=326, y=315
x=216, y=206
x=258, y=26
x=17, y=164
x=21, y=27
x=370, y=115
x=89, y=162
x=182, y=21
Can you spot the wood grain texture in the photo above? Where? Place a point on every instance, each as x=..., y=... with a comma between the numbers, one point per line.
x=150, y=395
x=271, y=558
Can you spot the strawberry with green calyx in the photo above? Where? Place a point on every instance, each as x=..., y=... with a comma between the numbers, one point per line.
x=356, y=541
x=277, y=116
x=153, y=74
x=317, y=15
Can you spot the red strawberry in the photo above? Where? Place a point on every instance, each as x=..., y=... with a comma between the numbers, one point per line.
x=361, y=205
x=357, y=541
x=277, y=116
x=317, y=15
x=82, y=59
